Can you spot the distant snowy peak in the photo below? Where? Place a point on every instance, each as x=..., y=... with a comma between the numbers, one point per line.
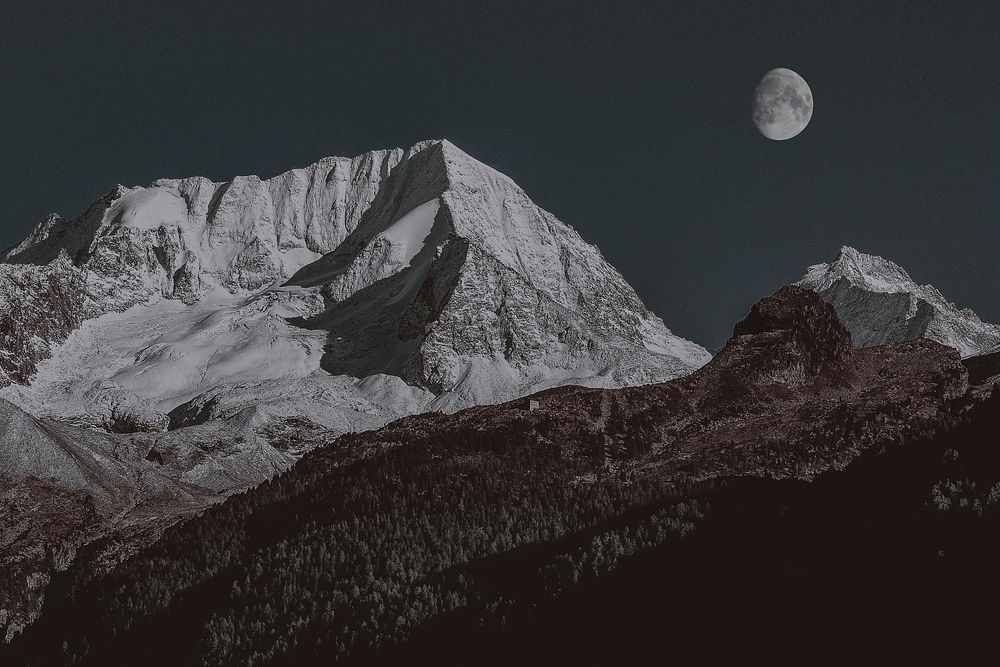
x=861, y=270
x=880, y=303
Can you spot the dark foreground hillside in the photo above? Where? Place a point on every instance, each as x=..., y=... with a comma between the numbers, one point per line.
x=669, y=522
x=894, y=561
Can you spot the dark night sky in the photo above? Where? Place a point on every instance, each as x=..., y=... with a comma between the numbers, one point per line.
x=629, y=121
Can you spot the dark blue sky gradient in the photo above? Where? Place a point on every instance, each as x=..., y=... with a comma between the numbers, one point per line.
x=629, y=121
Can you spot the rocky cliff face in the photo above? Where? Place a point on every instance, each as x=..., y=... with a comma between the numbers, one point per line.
x=201, y=299
x=879, y=303
x=39, y=307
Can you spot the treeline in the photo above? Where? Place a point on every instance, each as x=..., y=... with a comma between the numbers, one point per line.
x=892, y=561
x=335, y=561
x=478, y=546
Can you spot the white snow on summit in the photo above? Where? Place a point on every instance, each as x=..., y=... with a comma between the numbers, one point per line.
x=351, y=292
x=879, y=303
x=502, y=298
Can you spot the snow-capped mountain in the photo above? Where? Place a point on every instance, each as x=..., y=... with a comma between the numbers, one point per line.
x=456, y=281
x=176, y=343
x=352, y=291
x=879, y=303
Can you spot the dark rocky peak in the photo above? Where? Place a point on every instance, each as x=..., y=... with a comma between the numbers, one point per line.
x=793, y=331
x=798, y=310
x=803, y=315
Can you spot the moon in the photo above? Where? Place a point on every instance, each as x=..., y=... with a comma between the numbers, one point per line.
x=782, y=104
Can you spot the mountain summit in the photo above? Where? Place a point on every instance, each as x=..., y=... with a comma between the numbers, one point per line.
x=879, y=303
x=455, y=280
x=352, y=291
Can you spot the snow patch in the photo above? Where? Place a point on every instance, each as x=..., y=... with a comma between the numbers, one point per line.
x=147, y=209
x=407, y=235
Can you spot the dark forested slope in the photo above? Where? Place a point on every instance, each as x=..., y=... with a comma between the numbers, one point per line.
x=891, y=562
x=439, y=529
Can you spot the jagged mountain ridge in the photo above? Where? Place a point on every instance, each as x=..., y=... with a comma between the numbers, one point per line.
x=179, y=239
x=182, y=236
x=437, y=270
x=879, y=303
x=788, y=380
